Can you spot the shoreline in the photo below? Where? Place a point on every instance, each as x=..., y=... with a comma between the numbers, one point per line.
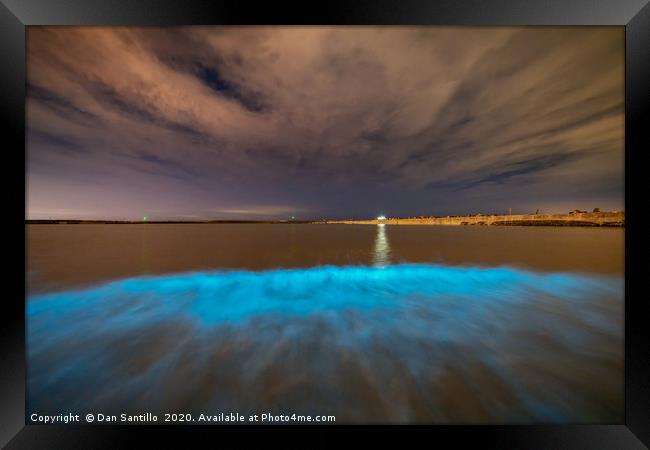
x=582, y=219
x=573, y=219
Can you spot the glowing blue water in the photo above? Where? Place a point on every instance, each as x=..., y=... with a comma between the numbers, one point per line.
x=413, y=318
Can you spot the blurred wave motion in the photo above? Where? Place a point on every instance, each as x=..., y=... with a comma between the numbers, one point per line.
x=382, y=343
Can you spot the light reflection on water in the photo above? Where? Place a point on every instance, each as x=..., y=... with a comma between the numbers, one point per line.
x=390, y=343
x=381, y=255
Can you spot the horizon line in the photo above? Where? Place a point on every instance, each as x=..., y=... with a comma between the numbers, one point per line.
x=306, y=220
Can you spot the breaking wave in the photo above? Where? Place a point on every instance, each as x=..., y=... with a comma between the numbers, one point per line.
x=400, y=343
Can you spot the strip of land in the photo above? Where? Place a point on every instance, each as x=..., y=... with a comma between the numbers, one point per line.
x=579, y=219
x=574, y=218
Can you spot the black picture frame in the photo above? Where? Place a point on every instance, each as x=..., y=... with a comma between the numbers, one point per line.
x=633, y=15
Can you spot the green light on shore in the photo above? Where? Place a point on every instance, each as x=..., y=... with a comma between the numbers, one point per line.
x=145, y=218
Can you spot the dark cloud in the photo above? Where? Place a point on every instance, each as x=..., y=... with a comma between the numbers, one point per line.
x=210, y=76
x=322, y=122
x=53, y=142
x=59, y=105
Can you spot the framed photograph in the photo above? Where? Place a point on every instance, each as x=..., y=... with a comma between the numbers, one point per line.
x=415, y=216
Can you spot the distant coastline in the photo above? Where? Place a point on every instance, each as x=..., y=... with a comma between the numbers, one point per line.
x=574, y=218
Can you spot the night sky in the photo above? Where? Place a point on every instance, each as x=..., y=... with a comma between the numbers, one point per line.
x=268, y=123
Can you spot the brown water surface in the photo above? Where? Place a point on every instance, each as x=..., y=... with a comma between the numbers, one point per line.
x=63, y=256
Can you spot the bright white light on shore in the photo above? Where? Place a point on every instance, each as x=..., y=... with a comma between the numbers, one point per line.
x=381, y=218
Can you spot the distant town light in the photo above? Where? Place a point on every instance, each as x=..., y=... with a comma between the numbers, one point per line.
x=381, y=218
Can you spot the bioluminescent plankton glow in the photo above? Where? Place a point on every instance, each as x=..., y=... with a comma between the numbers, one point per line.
x=332, y=338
